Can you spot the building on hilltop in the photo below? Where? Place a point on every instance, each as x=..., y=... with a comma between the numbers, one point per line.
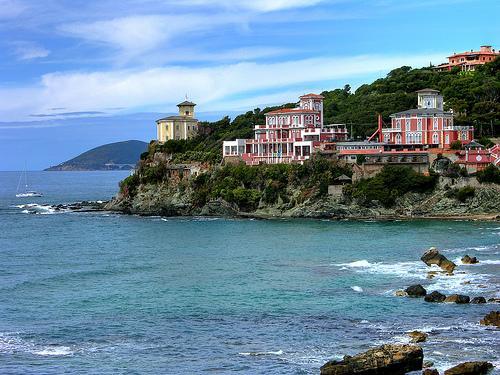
x=182, y=126
x=289, y=135
x=468, y=61
x=428, y=125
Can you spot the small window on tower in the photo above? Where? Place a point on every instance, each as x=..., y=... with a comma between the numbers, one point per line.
x=187, y=113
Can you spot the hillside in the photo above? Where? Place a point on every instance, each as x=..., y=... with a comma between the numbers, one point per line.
x=112, y=156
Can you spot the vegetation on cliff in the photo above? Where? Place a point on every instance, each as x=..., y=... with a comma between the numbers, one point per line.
x=388, y=185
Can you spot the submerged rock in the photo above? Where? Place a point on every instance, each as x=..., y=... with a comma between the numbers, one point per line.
x=478, y=300
x=491, y=319
x=494, y=300
x=430, y=371
x=416, y=291
x=457, y=298
x=384, y=360
x=417, y=336
x=470, y=368
x=433, y=256
x=400, y=293
x=469, y=260
x=435, y=296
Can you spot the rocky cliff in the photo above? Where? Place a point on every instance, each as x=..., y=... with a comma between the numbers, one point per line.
x=293, y=192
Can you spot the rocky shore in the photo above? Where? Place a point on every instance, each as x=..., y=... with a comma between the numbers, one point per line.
x=178, y=200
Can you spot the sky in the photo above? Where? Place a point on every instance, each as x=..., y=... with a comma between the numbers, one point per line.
x=76, y=74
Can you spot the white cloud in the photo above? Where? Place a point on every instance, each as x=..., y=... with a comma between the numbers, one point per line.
x=136, y=35
x=257, y=5
x=29, y=50
x=211, y=87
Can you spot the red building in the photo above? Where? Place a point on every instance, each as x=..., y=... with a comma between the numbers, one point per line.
x=289, y=135
x=428, y=125
x=468, y=61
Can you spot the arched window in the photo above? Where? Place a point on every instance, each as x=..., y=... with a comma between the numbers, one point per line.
x=435, y=138
x=398, y=138
x=407, y=124
x=435, y=123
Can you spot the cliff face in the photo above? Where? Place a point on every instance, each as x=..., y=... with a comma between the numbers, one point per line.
x=182, y=198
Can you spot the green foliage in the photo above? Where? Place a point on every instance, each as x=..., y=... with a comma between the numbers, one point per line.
x=461, y=194
x=360, y=159
x=247, y=185
x=486, y=142
x=392, y=182
x=454, y=170
x=489, y=174
x=456, y=145
x=129, y=185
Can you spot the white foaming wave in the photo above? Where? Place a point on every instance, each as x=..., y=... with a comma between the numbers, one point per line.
x=401, y=269
x=39, y=209
x=12, y=343
x=55, y=351
x=256, y=354
x=480, y=262
x=357, y=289
x=495, y=248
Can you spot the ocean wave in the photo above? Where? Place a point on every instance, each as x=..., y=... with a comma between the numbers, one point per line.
x=256, y=354
x=494, y=249
x=12, y=343
x=357, y=289
x=38, y=209
x=401, y=269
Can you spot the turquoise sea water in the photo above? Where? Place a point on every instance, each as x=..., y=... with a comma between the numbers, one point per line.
x=107, y=293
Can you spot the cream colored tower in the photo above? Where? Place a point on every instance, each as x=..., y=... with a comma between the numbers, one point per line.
x=183, y=126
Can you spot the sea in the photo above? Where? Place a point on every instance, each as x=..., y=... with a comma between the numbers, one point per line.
x=105, y=293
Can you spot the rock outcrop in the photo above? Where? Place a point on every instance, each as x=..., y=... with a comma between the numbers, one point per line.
x=430, y=371
x=470, y=368
x=433, y=256
x=417, y=336
x=384, y=360
x=416, y=291
x=435, y=296
x=457, y=298
x=477, y=300
x=491, y=319
x=469, y=260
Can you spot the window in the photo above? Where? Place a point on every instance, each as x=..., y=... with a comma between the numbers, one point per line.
x=295, y=120
x=407, y=124
x=398, y=123
x=464, y=136
x=435, y=138
x=435, y=123
x=187, y=113
x=419, y=124
x=398, y=138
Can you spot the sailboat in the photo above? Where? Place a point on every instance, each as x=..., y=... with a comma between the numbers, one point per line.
x=27, y=193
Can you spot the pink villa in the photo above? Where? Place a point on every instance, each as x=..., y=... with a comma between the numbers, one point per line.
x=290, y=135
x=467, y=61
x=428, y=126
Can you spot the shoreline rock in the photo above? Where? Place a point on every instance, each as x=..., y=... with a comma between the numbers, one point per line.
x=470, y=368
x=433, y=256
x=435, y=296
x=416, y=291
x=417, y=336
x=491, y=319
x=457, y=298
x=389, y=359
x=469, y=260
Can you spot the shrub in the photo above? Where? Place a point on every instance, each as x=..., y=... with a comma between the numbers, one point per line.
x=456, y=145
x=465, y=192
x=391, y=183
x=489, y=174
x=129, y=185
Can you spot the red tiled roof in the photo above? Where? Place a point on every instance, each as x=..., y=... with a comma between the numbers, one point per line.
x=291, y=110
x=474, y=53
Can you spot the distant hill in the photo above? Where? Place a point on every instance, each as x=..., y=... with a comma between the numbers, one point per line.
x=113, y=156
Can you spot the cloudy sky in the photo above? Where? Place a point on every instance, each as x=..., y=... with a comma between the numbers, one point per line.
x=75, y=74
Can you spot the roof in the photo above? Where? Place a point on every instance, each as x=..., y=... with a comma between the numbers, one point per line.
x=423, y=112
x=186, y=102
x=468, y=53
x=474, y=144
x=185, y=118
x=312, y=96
x=343, y=177
x=427, y=90
x=291, y=110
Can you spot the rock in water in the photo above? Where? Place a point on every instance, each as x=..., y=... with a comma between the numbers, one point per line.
x=469, y=260
x=433, y=256
x=430, y=371
x=478, y=300
x=384, y=360
x=416, y=291
x=400, y=293
x=435, y=297
x=470, y=368
x=457, y=298
x=491, y=319
x=417, y=336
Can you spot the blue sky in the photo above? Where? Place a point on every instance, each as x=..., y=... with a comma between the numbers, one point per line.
x=76, y=74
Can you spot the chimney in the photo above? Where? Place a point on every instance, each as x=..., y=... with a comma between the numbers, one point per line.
x=485, y=48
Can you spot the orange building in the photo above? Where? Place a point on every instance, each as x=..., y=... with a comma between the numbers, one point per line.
x=468, y=61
